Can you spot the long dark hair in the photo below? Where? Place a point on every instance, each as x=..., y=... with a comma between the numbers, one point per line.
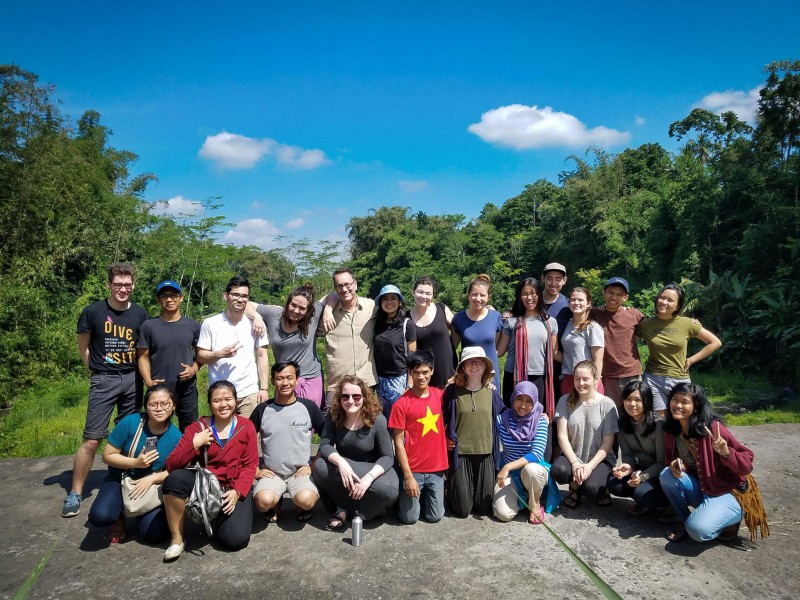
x=625, y=421
x=702, y=416
x=518, y=309
x=382, y=316
x=306, y=291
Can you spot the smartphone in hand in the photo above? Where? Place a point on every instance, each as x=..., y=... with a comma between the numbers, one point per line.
x=150, y=444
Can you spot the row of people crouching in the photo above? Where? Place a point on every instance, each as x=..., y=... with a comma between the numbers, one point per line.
x=459, y=443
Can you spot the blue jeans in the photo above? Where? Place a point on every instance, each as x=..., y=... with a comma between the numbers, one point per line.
x=430, y=501
x=711, y=514
x=389, y=390
x=107, y=508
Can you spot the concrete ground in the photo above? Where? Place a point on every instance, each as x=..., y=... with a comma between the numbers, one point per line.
x=470, y=558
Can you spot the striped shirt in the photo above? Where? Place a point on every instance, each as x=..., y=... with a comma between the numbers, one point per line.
x=514, y=449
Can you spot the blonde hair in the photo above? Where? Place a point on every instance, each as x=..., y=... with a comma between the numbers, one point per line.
x=482, y=279
x=573, y=399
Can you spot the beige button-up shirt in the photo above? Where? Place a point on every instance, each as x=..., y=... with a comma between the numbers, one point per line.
x=349, y=345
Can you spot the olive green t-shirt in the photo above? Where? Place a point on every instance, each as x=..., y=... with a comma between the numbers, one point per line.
x=474, y=421
x=667, y=341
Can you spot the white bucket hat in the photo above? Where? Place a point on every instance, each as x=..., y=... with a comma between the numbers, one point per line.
x=471, y=352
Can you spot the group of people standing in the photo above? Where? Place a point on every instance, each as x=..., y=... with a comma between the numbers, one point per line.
x=408, y=423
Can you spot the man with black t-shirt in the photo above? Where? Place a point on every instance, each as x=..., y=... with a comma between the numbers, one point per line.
x=107, y=334
x=166, y=351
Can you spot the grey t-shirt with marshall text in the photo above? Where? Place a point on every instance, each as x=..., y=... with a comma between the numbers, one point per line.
x=286, y=433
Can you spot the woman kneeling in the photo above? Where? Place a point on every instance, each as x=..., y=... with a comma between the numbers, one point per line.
x=232, y=450
x=356, y=471
x=125, y=452
x=706, y=463
x=587, y=422
x=523, y=433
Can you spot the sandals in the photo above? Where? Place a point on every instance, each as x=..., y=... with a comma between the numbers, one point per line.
x=303, y=515
x=730, y=533
x=573, y=499
x=338, y=522
x=637, y=510
x=678, y=535
x=272, y=516
x=604, y=500
x=117, y=534
x=537, y=516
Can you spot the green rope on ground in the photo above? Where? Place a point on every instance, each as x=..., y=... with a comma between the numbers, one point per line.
x=598, y=581
x=27, y=585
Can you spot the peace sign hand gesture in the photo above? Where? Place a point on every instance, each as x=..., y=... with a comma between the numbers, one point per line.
x=718, y=443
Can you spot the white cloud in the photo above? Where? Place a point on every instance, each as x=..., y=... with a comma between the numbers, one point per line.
x=233, y=151
x=253, y=232
x=744, y=104
x=639, y=121
x=294, y=224
x=178, y=206
x=412, y=186
x=525, y=127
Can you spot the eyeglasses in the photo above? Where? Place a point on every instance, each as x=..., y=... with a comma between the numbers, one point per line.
x=344, y=286
x=122, y=286
x=169, y=296
x=156, y=405
x=355, y=398
x=237, y=296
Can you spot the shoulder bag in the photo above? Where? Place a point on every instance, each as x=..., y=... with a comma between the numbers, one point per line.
x=205, y=501
x=152, y=498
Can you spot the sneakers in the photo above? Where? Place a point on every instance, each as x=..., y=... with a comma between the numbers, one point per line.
x=72, y=505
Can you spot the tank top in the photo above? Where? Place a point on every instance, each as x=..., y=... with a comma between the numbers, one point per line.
x=436, y=338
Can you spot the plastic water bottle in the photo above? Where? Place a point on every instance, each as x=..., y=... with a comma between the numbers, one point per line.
x=358, y=527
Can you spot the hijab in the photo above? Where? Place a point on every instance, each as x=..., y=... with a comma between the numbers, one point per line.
x=524, y=429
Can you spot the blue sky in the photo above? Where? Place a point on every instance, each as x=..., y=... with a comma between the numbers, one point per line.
x=302, y=115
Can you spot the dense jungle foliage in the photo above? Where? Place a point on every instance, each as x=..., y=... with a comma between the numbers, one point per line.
x=721, y=215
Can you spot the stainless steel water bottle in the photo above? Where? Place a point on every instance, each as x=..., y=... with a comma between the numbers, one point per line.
x=358, y=528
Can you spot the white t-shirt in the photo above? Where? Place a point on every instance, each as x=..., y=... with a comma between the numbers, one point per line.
x=240, y=369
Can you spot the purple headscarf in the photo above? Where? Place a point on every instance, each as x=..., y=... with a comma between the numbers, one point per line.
x=524, y=429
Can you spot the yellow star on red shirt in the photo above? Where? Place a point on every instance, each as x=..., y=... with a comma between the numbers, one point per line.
x=429, y=422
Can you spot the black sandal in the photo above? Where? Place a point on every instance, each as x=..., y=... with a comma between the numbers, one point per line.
x=303, y=515
x=730, y=533
x=338, y=522
x=604, y=500
x=677, y=535
x=573, y=499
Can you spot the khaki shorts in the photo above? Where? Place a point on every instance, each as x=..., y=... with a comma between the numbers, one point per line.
x=247, y=404
x=280, y=485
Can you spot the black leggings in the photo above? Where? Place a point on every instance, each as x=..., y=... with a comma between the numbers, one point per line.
x=233, y=530
x=596, y=486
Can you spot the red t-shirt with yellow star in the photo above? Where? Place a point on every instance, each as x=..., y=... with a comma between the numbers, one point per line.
x=421, y=419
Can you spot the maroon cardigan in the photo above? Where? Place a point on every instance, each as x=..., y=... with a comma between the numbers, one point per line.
x=717, y=475
x=235, y=465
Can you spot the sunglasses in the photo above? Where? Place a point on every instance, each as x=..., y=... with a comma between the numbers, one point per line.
x=353, y=397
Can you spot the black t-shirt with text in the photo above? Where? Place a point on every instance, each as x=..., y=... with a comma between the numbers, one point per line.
x=113, y=336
